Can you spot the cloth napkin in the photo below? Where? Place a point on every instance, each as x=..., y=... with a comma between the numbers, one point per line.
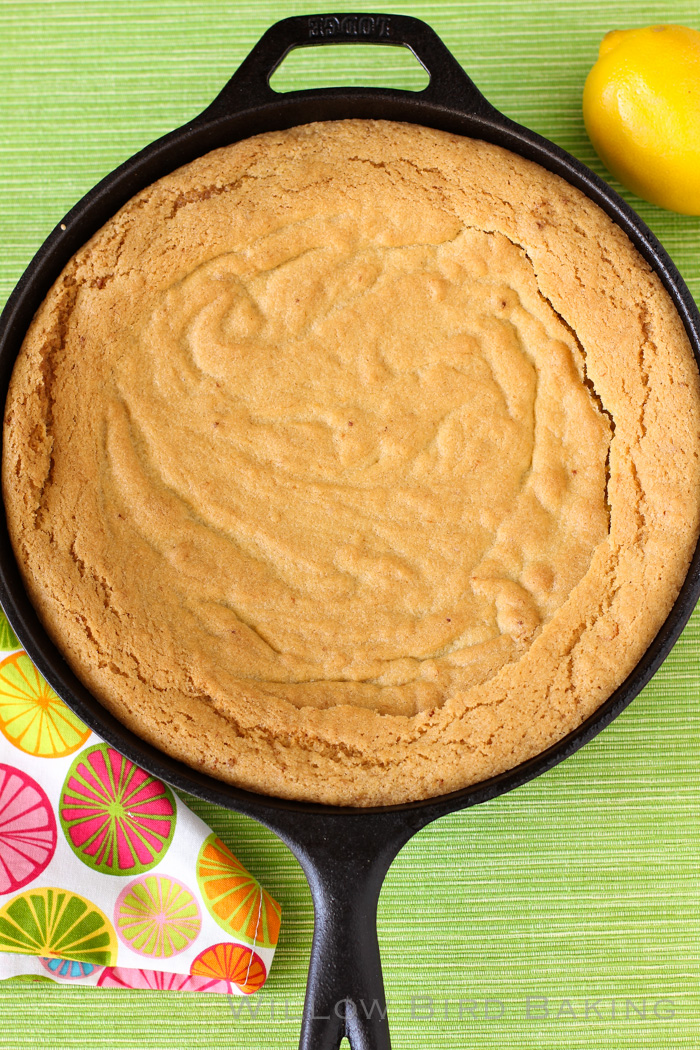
x=106, y=877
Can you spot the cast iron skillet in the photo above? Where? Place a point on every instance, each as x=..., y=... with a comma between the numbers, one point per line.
x=345, y=853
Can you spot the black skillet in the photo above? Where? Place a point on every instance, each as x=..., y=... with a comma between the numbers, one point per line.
x=345, y=853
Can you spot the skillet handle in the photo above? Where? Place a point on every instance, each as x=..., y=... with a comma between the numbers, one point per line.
x=345, y=860
x=250, y=85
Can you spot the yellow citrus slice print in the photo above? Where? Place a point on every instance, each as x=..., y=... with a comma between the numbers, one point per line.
x=234, y=898
x=32, y=716
x=57, y=924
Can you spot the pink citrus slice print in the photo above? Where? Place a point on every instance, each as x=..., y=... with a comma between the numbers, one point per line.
x=232, y=963
x=156, y=915
x=234, y=898
x=116, y=817
x=32, y=716
x=27, y=829
x=158, y=980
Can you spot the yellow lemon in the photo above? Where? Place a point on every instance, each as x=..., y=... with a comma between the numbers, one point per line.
x=641, y=107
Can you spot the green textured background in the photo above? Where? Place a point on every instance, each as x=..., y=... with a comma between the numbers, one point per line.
x=581, y=885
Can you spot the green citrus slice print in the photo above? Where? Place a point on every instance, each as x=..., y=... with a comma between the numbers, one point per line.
x=57, y=924
x=157, y=916
x=116, y=817
x=8, y=638
x=32, y=716
x=234, y=898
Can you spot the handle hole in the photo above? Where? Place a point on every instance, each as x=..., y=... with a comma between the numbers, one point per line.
x=350, y=65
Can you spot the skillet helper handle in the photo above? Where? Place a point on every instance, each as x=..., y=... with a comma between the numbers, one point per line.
x=345, y=989
x=345, y=862
x=250, y=85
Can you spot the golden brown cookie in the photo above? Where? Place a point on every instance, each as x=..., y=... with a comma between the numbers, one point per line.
x=354, y=463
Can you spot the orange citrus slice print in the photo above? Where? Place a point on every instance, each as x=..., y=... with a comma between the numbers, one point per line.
x=232, y=963
x=234, y=898
x=32, y=716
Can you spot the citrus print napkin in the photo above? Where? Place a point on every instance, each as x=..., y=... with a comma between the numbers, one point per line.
x=106, y=877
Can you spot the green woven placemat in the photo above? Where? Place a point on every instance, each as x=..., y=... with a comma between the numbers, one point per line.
x=581, y=888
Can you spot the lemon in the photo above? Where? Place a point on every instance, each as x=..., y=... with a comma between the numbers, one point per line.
x=641, y=107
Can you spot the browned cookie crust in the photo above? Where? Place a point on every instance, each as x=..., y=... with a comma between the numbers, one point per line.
x=354, y=463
